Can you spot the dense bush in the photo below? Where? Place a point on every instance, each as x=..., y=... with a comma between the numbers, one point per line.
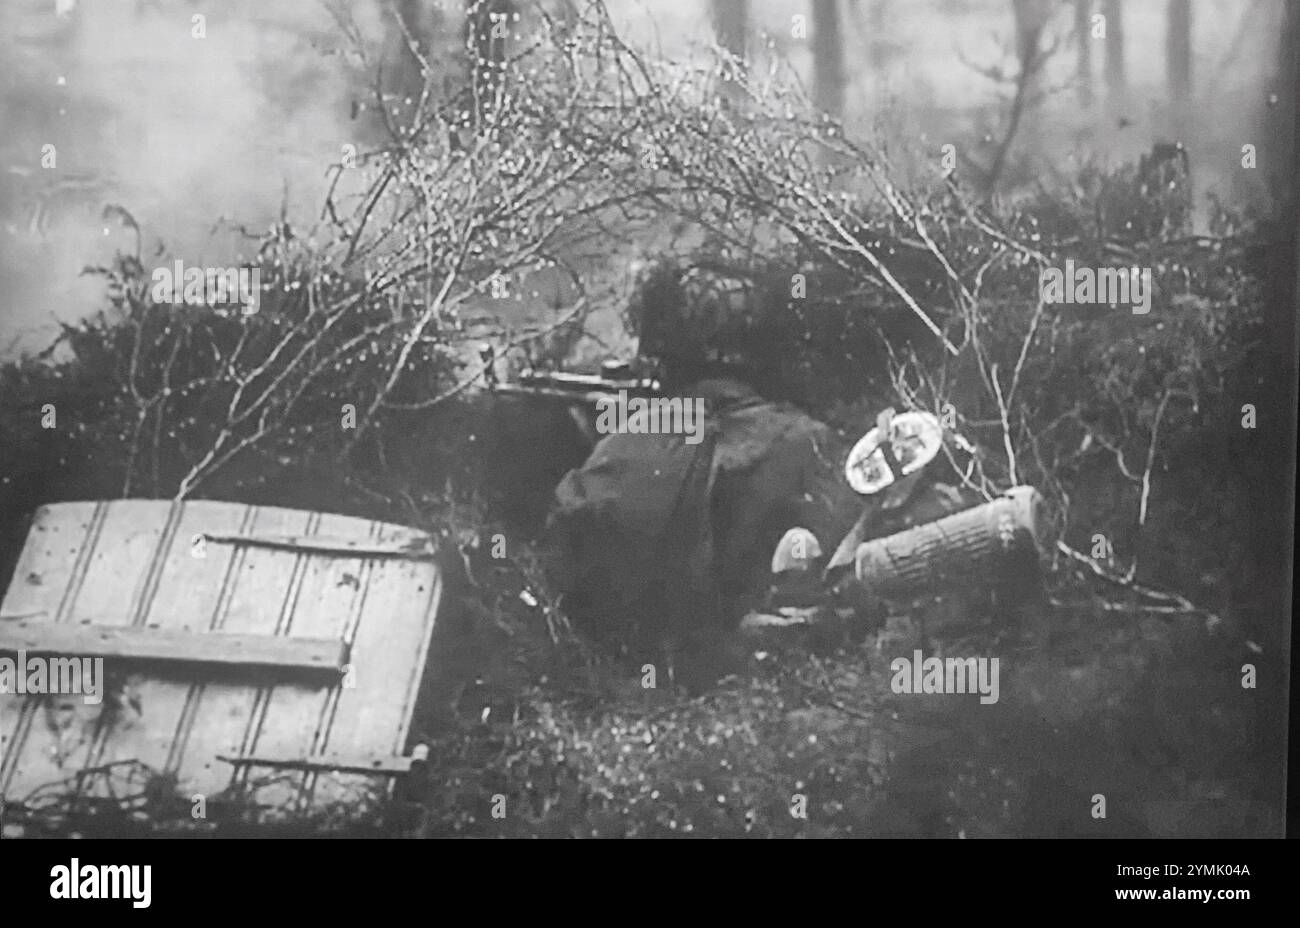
x=806, y=269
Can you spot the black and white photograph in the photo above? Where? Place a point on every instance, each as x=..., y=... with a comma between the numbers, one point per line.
x=647, y=419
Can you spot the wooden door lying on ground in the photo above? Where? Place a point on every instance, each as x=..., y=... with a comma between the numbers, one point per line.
x=271, y=649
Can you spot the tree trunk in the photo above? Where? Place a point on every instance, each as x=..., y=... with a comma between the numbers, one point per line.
x=487, y=23
x=1116, y=82
x=731, y=27
x=878, y=27
x=418, y=25
x=1281, y=150
x=1178, y=59
x=828, y=58
x=1083, y=35
x=1031, y=18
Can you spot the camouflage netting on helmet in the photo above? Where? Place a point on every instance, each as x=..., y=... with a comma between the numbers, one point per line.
x=756, y=318
x=695, y=319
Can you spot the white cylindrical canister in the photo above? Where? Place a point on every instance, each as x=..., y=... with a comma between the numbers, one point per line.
x=964, y=544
